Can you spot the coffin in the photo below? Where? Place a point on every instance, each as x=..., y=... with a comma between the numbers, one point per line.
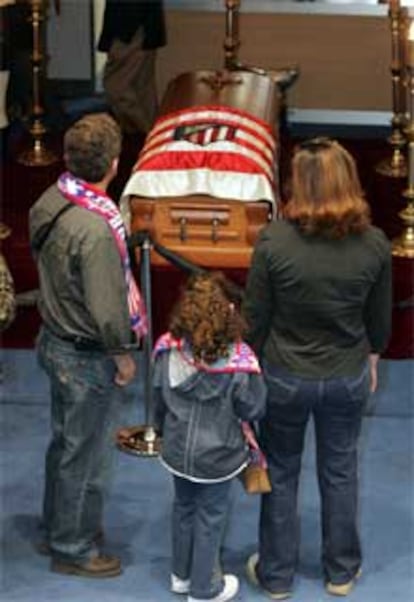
x=207, y=231
x=206, y=180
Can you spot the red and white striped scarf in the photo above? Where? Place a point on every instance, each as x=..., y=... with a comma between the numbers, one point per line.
x=89, y=197
x=241, y=357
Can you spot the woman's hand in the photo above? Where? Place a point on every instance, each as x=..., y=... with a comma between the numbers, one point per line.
x=373, y=370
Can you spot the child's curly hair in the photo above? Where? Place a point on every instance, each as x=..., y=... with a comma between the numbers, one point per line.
x=207, y=316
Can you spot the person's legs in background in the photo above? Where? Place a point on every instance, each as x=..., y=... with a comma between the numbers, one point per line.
x=19, y=89
x=130, y=85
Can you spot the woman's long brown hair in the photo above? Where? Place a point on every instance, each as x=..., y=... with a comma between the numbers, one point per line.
x=326, y=197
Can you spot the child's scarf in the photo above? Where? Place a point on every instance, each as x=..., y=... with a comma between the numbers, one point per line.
x=240, y=359
x=85, y=195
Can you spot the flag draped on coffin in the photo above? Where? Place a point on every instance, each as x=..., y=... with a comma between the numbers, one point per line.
x=214, y=150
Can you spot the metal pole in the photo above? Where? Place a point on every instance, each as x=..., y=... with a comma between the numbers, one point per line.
x=148, y=342
x=142, y=440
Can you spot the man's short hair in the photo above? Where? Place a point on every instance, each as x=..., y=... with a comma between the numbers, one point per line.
x=90, y=146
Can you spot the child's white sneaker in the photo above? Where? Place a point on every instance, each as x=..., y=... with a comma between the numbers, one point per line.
x=179, y=586
x=230, y=589
x=343, y=589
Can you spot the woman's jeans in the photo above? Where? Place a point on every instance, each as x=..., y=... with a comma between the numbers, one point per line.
x=337, y=406
x=200, y=513
x=78, y=460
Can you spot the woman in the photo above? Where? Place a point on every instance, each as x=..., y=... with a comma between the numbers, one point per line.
x=318, y=303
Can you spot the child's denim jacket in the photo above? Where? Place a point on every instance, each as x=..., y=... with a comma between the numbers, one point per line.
x=199, y=412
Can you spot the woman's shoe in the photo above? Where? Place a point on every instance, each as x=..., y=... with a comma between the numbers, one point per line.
x=343, y=589
x=179, y=586
x=230, y=589
x=251, y=566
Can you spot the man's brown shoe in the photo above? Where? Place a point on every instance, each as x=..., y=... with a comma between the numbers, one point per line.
x=97, y=567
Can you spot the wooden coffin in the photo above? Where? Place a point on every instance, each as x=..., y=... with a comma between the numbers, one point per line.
x=194, y=208
x=209, y=232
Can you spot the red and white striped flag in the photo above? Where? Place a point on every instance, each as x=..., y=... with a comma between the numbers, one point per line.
x=215, y=150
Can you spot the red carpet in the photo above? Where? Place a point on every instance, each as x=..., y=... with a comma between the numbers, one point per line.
x=22, y=185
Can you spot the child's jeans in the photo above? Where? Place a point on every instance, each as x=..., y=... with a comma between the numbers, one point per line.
x=200, y=512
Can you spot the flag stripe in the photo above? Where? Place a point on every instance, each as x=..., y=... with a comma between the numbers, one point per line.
x=232, y=159
x=168, y=134
x=214, y=114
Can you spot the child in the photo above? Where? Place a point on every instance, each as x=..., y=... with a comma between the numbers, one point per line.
x=206, y=380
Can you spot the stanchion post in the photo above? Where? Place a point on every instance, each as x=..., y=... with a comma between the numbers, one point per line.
x=142, y=440
x=149, y=433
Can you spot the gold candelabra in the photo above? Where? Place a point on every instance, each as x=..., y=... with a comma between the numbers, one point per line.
x=396, y=165
x=37, y=154
x=403, y=246
x=231, y=40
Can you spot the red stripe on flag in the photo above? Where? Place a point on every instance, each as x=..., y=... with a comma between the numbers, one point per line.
x=195, y=118
x=217, y=161
x=180, y=157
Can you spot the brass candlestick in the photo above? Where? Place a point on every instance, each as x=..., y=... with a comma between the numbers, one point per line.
x=403, y=245
x=37, y=154
x=231, y=40
x=283, y=77
x=396, y=165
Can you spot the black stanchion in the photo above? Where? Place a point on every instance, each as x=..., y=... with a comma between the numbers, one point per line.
x=143, y=440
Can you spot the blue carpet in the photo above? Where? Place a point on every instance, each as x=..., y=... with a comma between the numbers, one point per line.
x=138, y=511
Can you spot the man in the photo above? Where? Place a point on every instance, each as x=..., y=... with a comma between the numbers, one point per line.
x=90, y=306
x=131, y=33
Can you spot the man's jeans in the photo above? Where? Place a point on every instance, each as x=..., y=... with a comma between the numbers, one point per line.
x=337, y=407
x=78, y=460
x=200, y=513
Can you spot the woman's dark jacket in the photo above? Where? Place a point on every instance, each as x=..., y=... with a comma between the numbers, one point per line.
x=315, y=306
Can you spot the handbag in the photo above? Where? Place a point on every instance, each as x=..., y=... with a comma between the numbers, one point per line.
x=255, y=477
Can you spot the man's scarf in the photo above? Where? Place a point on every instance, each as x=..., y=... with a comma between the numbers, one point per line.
x=241, y=358
x=85, y=195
